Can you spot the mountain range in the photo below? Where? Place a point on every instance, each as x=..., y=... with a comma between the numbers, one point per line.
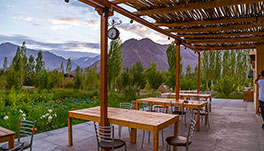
x=133, y=50
x=146, y=51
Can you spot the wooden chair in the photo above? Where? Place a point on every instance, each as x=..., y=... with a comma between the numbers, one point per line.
x=147, y=107
x=180, y=140
x=25, y=128
x=181, y=111
x=18, y=147
x=124, y=106
x=105, y=138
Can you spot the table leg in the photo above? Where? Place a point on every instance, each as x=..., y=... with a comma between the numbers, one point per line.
x=137, y=106
x=70, y=131
x=11, y=142
x=206, y=116
x=133, y=135
x=198, y=120
x=176, y=130
x=155, y=140
x=210, y=104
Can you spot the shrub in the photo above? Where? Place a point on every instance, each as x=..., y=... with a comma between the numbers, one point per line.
x=227, y=85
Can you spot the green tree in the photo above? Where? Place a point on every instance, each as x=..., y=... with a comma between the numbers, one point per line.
x=138, y=76
x=5, y=68
x=91, y=78
x=226, y=63
x=218, y=66
x=12, y=78
x=188, y=71
x=69, y=66
x=30, y=71
x=171, y=58
x=114, y=62
x=154, y=77
x=78, y=78
x=227, y=85
x=40, y=64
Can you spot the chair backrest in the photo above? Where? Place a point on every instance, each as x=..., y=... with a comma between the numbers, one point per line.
x=17, y=148
x=104, y=134
x=144, y=106
x=190, y=131
x=26, y=128
x=125, y=106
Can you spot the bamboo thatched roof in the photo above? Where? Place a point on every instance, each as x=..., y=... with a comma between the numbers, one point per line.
x=207, y=24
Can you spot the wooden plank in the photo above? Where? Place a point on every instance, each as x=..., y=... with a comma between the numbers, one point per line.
x=232, y=47
x=120, y=1
x=178, y=51
x=192, y=6
x=211, y=21
x=216, y=35
x=104, y=71
x=217, y=28
x=226, y=40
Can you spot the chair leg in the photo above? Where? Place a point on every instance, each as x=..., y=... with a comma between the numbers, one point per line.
x=185, y=120
x=119, y=131
x=167, y=146
x=148, y=136
x=143, y=139
x=162, y=137
x=129, y=131
x=125, y=147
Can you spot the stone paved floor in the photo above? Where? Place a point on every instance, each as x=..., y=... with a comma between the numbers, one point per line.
x=234, y=127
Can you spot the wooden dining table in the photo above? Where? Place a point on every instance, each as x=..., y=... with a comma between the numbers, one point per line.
x=7, y=136
x=134, y=119
x=207, y=97
x=166, y=102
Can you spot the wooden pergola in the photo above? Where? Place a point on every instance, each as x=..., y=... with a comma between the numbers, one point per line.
x=197, y=24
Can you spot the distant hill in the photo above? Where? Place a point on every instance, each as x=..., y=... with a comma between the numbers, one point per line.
x=146, y=51
x=52, y=61
x=85, y=62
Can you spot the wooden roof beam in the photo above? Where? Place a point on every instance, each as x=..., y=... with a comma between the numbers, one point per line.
x=217, y=28
x=255, y=33
x=226, y=40
x=213, y=21
x=194, y=5
x=120, y=1
x=235, y=47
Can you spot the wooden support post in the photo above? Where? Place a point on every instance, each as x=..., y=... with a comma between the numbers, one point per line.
x=178, y=47
x=70, y=131
x=104, y=68
x=199, y=72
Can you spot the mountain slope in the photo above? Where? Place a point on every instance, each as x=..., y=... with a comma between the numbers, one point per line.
x=146, y=51
x=52, y=61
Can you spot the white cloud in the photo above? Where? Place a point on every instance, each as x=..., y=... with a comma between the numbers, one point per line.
x=29, y=19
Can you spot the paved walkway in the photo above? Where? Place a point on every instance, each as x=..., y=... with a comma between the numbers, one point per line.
x=234, y=127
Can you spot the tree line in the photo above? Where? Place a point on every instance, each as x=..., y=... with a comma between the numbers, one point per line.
x=220, y=71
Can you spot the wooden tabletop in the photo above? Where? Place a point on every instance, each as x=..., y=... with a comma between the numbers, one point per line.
x=188, y=94
x=125, y=117
x=173, y=101
x=5, y=132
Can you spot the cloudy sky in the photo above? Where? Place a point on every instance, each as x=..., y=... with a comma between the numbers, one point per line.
x=56, y=25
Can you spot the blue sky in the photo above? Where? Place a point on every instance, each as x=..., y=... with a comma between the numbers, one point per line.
x=56, y=25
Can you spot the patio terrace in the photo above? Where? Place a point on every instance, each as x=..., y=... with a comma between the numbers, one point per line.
x=234, y=127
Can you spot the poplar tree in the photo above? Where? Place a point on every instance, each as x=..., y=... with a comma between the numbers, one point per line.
x=40, y=64
x=69, y=66
x=115, y=61
x=5, y=65
x=171, y=58
x=78, y=78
